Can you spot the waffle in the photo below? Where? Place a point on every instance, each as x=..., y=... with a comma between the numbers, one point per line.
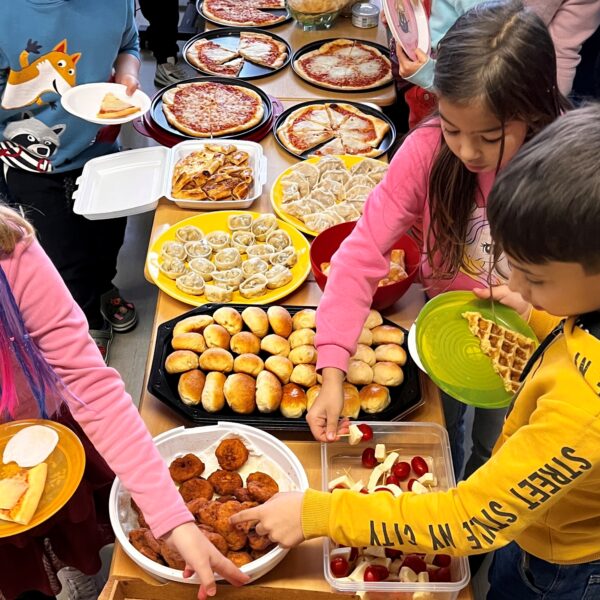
x=508, y=349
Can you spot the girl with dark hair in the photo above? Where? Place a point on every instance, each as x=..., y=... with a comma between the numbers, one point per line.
x=496, y=84
x=51, y=368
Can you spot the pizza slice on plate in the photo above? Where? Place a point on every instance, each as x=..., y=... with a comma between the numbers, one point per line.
x=112, y=107
x=210, y=57
x=262, y=49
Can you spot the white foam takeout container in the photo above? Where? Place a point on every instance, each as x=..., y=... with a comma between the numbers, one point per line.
x=179, y=441
x=132, y=182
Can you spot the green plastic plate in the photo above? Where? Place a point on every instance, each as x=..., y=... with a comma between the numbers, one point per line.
x=451, y=354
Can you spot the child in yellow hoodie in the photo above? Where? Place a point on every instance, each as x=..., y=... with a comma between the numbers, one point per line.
x=536, y=502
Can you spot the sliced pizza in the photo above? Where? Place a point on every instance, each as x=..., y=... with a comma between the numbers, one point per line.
x=112, y=107
x=241, y=12
x=213, y=58
x=21, y=494
x=345, y=65
x=262, y=49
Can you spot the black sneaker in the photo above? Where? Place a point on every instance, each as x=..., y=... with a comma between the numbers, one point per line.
x=118, y=312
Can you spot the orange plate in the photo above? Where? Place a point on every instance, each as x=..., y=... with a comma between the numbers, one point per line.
x=65, y=470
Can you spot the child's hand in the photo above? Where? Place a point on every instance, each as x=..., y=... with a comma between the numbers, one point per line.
x=407, y=67
x=505, y=296
x=280, y=518
x=323, y=416
x=129, y=80
x=203, y=558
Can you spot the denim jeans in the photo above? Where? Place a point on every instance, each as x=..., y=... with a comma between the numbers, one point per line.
x=517, y=575
x=487, y=425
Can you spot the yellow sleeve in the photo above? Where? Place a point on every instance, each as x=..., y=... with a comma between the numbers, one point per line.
x=488, y=510
x=542, y=323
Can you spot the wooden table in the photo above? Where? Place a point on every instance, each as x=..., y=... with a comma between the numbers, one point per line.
x=286, y=85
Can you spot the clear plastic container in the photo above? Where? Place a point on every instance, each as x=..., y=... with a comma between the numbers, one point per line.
x=428, y=440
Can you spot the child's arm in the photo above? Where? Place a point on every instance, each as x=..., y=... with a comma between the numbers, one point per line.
x=127, y=65
x=101, y=405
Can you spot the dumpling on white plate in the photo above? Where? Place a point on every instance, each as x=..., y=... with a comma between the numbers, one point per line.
x=307, y=170
x=278, y=276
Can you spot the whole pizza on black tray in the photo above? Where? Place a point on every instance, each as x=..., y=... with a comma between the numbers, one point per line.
x=341, y=64
x=255, y=13
x=211, y=109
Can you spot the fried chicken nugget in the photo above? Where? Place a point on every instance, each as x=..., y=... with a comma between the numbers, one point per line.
x=209, y=513
x=223, y=499
x=196, y=488
x=171, y=556
x=145, y=543
x=261, y=486
x=235, y=537
x=239, y=559
x=186, y=467
x=231, y=454
x=225, y=482
x=242, y=494
x=140, y=515
x=196, y=505
x=258, y=542
x=217, y=540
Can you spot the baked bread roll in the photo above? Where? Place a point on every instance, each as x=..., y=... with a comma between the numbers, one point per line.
x=257, y=321
x=391, y=353
x=304, y=355
x=216, y=359
x=302, y=337
x=268, y=392
x=181, y=361
x=304, y=374
x=359, y=373
x=365, y=337
x=280, y=366
x=245, y=342
x=374, y=319
x=240, y=393
x=189, y=341
x=213, y=397
x=351, y=406
x=229, y=318
x=365, y=353
x=387, y=373
x=275, y=344
x=280, y=321
x=374, y=398
x=196, y=324
x=312, y=394
x=293, y=401
x=251, y=364
x=305, y=318
x=216, y=336
x=386, y=334
x=190, y=387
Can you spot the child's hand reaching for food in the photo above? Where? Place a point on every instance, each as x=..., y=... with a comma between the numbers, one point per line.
x=280, y=518
x=323, y=416
x=504, y=295
x=203, y=558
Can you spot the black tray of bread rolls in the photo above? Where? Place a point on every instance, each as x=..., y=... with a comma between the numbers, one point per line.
x=404, y=398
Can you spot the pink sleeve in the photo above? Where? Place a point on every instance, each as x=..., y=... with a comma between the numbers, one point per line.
x=104, y=410
x=363, y=258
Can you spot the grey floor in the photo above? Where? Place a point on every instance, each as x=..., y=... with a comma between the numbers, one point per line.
x=129, y=351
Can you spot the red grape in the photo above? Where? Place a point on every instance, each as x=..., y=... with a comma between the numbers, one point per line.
x=419, y=466
x=410, y=484
x=401, y=470
x=366, y=431
x=339, y=566
x=416, y=563
x=364, y=490
x=376, y=573
x=440, y=575
x=392, y=479
x=368, y=458
x=383, y=489
x=442, y=560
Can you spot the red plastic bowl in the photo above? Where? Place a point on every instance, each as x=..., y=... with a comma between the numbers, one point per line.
x=326, y=243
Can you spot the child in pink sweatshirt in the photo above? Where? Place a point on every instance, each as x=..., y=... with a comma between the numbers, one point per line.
x=496, y=82
x=50, y=367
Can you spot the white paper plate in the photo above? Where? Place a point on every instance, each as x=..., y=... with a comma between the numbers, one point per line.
x=83, y=101
x=412, y=347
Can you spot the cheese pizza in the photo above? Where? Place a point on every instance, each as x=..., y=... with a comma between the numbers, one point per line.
x=212, y=109
x=244, y=12
x=345, y=65
x=112, y=107
x=262, y=49
x=342, y=128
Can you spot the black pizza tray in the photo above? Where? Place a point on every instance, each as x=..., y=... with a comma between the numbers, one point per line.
x=405, y=397
x=160, y=120
x=275, y=11
x=317, y=44
x=229, y=37
x=386, y=143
